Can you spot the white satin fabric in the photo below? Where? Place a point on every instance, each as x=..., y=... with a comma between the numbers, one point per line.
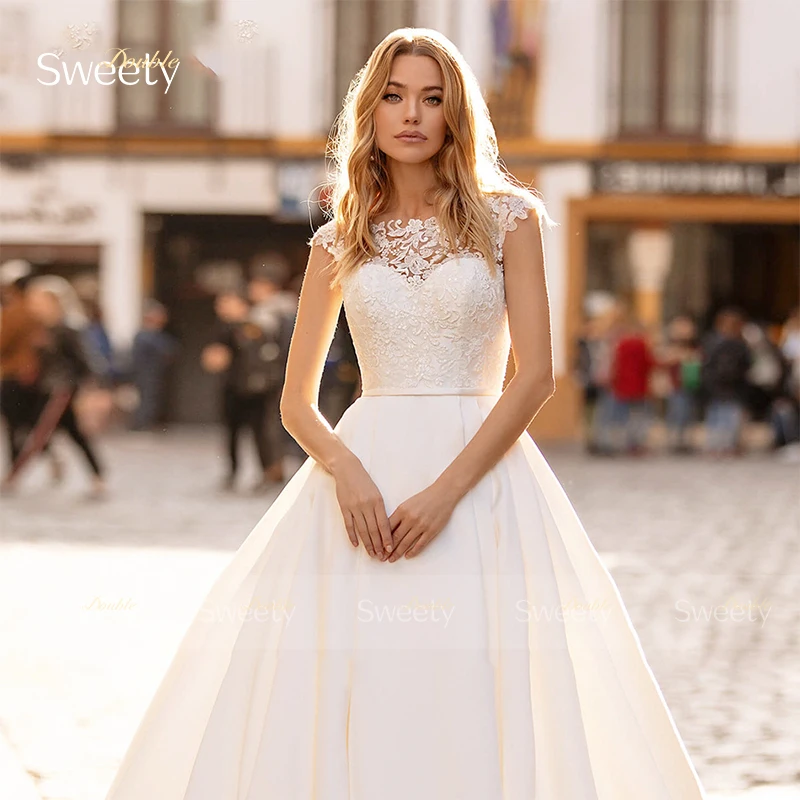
x=499, y=664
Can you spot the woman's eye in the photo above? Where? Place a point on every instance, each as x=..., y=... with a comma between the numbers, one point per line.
x=436, y=100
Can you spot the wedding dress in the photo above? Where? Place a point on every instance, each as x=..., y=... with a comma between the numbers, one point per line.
x=498, y=664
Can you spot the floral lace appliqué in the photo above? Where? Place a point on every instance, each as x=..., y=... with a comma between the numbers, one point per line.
x=325, y=236
x=415, y=248
x=507, y=208
x=418, y=334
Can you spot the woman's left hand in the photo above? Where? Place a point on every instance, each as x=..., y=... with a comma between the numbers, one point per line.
x=418, y=520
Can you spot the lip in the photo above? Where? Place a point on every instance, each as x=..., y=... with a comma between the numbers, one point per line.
x=411, y=136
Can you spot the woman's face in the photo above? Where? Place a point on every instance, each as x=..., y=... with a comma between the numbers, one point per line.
x=44, y=306
x=412, y=102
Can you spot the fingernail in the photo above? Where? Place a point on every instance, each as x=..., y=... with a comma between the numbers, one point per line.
x=388, y=548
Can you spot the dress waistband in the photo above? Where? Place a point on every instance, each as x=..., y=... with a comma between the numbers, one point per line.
x=429, y=390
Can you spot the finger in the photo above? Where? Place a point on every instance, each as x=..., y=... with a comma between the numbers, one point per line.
x=419, y=545
x=399, y=531
x=411, y=535
x=363, y=533
x=385, y=530
x=351, y=531
x=399, y=523
x=374, y=533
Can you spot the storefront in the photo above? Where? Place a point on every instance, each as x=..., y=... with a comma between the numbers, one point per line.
x=669, y=238
x=53, y=229
x=192, y=258
x=124, y=229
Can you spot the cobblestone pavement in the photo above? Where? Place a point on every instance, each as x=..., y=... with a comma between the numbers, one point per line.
x=95, y=596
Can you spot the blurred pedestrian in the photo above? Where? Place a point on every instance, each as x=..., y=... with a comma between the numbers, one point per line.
x=790, y=336
x=274, y=310
x=247, y=358
x=628, y=411
x=99, y=341
x=20, y=395
x=682, y=359
x=65, y=364
x=727, y=360
x=592, y=371
x=767, y=373
x=785, y=410
x=153, y=351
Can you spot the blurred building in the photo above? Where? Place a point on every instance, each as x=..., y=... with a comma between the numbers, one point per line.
x=662, y=133
x=665, y=136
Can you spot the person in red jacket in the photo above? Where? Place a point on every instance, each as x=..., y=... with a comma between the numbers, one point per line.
x=629, y=381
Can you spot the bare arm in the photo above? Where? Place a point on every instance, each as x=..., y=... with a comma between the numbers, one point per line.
x=533, y=382
x=317, y=314
x=361, y=503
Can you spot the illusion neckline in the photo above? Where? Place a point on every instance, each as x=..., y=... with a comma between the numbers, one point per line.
x=398, y=223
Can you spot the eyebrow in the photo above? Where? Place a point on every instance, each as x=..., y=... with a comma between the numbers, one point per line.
x=424, y=88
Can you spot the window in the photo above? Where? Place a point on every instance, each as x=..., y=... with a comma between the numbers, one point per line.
x=663, y=62
x=147, y=26
x=360, y=25
x=14, y=31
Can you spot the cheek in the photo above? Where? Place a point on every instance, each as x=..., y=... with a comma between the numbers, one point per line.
x=382, y=120
x=439, y=127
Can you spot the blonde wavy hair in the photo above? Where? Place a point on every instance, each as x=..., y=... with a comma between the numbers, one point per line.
x=467, y=167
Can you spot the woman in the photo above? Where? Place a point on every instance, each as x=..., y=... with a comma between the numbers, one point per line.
x=64, y=365
x=394, y=625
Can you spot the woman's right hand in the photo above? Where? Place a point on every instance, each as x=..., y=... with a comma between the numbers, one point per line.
x=363, y=509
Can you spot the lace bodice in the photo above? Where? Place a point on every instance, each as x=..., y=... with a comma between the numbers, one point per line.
x=424, y=319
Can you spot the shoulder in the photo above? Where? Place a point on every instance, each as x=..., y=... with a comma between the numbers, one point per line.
x=520, y=211
x=326, y=236
x=508, y=207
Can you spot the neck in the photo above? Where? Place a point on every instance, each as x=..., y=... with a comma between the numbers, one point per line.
x=412, y=184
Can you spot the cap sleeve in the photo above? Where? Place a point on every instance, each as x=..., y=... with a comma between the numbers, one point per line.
x=508, y=208
x=325, y=236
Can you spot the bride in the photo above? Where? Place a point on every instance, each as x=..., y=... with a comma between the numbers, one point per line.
x=420, y=613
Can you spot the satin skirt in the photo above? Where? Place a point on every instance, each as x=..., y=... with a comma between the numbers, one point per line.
x=499, y=664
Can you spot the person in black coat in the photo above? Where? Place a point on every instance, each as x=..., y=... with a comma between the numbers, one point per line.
x=727, y=360
x=64, y=364
x=250, y=364
x=154, y=350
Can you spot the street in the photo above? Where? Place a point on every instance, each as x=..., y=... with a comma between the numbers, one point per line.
x=94, y=598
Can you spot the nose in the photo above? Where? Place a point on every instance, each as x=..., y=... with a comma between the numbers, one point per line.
x=412, y=112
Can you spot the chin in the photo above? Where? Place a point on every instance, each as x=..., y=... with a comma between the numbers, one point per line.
x=411, y=155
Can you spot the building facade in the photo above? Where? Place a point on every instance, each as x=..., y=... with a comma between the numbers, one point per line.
x=646, y=125
x=666, y=144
